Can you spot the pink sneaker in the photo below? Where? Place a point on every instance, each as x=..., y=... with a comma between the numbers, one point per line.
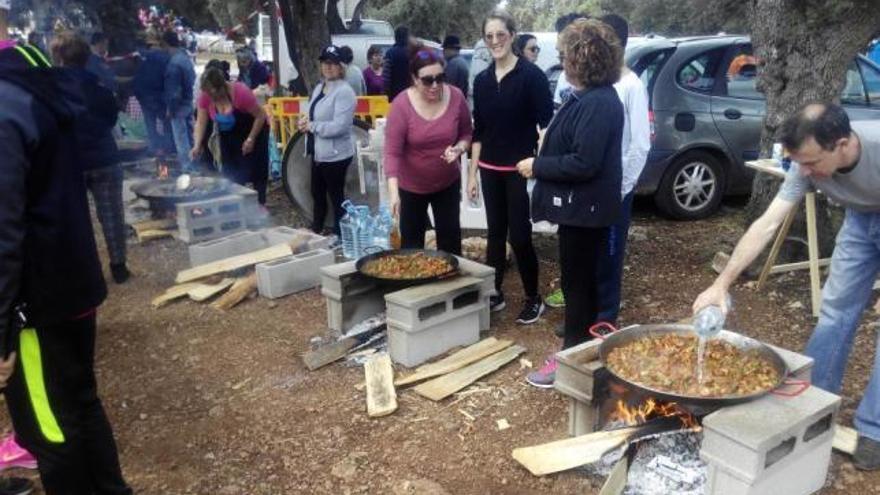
x=544, y=377
x=13, y=455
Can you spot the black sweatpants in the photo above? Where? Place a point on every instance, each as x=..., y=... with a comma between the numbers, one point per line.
x=56, y=413
x=579, y=251
x=328, y=178
x=508, y=216
x=105, y=184
x=445, y=204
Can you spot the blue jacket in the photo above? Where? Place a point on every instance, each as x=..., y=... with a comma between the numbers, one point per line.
x=578, y=170
x=180, y=79
x=396, y=71
x=149, y=80
x=257, y=75
x=97, y=66
x=332, y=122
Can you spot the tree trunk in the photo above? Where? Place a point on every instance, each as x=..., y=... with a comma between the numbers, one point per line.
x=307, y=33
x=803, y=48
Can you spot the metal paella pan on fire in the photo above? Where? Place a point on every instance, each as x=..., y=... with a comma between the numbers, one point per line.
x=408, y=266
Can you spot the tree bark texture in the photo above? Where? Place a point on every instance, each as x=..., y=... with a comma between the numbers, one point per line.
x=803, y=49
x=307, y=32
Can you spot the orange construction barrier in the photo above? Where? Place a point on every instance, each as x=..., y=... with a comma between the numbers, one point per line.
x=284, y=112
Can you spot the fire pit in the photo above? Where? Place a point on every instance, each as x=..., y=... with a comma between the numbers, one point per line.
x=163, y=194
x=778, y=440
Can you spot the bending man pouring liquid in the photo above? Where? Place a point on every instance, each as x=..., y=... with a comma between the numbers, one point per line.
x=50, y=278
x=843, y=161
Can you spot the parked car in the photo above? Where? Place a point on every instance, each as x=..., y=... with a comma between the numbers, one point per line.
x=707, y=117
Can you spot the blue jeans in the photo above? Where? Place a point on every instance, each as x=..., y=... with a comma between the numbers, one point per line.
x=159, y=143
x=611, y=264
x=854, y=267
x=181, y=126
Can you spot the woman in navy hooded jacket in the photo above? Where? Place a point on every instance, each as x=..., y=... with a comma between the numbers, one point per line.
x=578, y=172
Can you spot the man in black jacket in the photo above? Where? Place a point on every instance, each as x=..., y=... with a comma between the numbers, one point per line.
x=50, y=281
x=396, y=70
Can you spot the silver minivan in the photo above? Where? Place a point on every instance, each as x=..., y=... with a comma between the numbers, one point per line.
x=707, y=117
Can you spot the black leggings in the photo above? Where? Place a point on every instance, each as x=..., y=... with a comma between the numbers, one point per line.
x=579, y=252
x=507, y=214
x=328, y=178
x=445, y=204
x=57, y=415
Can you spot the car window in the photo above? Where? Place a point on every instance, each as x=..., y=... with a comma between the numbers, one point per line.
x=854, y=91
x=742, y=75
x=698, y=74
x=871, y=76
x=648, y=67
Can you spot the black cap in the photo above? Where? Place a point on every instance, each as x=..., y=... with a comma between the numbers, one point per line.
x=330, y=54
x=451, y=41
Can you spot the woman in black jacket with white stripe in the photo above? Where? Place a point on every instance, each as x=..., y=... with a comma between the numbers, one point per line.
x=578, y=172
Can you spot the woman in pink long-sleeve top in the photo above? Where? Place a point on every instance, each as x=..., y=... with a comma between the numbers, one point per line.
x=429, y=128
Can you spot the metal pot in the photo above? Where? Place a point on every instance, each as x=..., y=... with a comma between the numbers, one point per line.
x=450, y=259
x=617, y=338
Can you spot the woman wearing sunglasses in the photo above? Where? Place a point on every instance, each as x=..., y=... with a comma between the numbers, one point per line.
x=527, y=47
x=511, y=101
x=428, y=129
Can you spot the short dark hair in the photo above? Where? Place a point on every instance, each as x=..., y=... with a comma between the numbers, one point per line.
x=423, y=58
x=563, y=21
x=593, y=55
x=70, y=50
x=824, y=122
x=97, y=38
x=401, y=35
x=346, y=55
x=171, y=39
x=372, y=50
x=619, y=25
x=504, y=17
x=519, y=46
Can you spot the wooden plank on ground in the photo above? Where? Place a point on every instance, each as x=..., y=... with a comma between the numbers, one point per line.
x=329, y=353
x=164, y=224
x=173, y=293
x=616, y=480
x=241, y=289
x=720, y=261
x=234, y=263
x=381, y=397
x=570, y=453
x=845, y=439
x=148, y=235
x=440, y=388
x=206, y=291
x=457, y=360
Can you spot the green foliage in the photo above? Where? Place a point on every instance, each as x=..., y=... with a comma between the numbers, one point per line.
x=434, y=19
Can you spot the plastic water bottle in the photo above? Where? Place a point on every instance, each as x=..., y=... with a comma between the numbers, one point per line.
x=364, y=231
x=710, y=320
x=382, y=225
x=347, y=227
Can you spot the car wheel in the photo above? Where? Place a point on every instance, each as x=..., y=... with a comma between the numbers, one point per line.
x=692, y=186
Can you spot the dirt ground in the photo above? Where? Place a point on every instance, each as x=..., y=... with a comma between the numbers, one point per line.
x=206, y=402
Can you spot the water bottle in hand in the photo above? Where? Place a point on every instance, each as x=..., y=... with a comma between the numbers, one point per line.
x=710, y=320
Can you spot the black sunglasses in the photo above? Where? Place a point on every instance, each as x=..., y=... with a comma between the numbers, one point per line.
x=430, y=80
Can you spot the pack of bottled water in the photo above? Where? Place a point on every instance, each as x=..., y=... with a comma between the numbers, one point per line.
x=364, y=233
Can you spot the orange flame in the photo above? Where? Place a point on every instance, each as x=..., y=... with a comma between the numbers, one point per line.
x=652, y=409
x=162, y=171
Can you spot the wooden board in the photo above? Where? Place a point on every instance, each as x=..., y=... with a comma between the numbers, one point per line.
x=242, y=288
x=845, y=439
x=148, y=235
x=570, y=453
x=164, y=224
x=173, y=293
x=206, y=291
x=329, y=353
x=234, y=263
x=440, y=388
x=616, y=480
x=457, y=360
x=381, y=397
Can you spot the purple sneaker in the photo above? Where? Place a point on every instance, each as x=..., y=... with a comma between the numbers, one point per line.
x=544, y=377
x=12, y=455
